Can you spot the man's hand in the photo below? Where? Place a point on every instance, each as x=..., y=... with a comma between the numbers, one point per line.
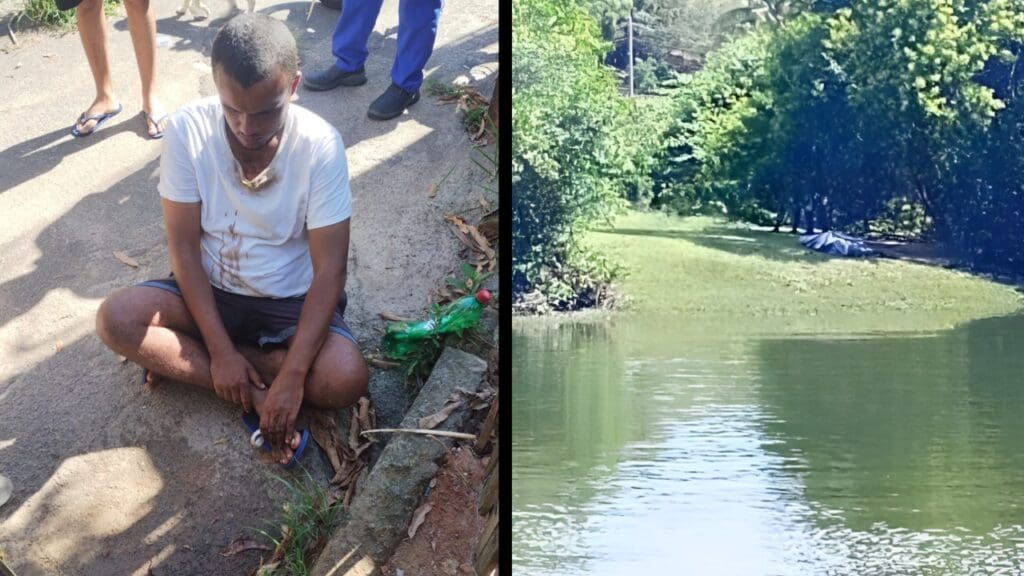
x=280, y=409
x=232, y=377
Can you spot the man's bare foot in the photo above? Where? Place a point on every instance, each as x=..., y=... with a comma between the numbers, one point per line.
x=101, y=106
x=151, y=380
x=284, y=456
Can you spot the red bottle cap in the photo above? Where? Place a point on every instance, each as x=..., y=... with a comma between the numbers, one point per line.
x=483, y=297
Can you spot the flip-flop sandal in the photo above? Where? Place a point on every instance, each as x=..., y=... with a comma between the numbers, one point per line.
x=100, y=119
x=156, y=124
x=252, y=424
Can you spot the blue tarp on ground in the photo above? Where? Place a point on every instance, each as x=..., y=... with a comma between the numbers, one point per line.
x=837, y=244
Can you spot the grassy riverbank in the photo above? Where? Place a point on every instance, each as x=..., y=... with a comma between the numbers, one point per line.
x=717, y=275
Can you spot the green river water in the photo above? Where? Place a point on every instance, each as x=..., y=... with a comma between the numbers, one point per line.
x=643, y=446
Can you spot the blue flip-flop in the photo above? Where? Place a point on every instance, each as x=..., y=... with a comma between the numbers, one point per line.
x=155, y=120
x=100, y=119
x=252, y=424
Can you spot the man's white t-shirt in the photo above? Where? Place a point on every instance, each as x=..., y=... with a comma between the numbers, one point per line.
x=255, y=243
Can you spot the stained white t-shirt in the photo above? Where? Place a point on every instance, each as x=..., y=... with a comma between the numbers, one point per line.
x=256, y=243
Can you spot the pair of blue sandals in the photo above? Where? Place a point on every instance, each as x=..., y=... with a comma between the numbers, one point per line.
x=252, y=424
x=102, y=118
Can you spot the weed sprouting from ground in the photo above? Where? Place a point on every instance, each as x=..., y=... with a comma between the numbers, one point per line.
x=302, y=529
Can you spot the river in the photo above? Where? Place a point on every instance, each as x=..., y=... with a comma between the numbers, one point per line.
x=646, y=446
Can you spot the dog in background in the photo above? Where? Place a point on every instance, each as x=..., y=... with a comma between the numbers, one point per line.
x=201, y=12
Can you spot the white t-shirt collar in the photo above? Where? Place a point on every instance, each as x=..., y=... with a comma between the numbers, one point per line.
x=267, y=174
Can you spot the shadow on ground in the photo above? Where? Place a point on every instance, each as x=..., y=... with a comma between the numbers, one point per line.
x=769, y=245
x=45, y=152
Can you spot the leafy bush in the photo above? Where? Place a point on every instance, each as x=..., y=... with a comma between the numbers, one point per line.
x=649, y=73
x=571, y=147
x=46, y=13
x=888, y=116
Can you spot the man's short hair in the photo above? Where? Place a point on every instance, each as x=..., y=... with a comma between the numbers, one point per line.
x=252, y=47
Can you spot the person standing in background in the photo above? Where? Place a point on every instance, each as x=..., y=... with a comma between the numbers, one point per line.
x=417, y=30
x=92, y=29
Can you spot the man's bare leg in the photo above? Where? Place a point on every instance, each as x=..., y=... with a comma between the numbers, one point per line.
x=337, y=379
x=153, y=328
x=92, y=29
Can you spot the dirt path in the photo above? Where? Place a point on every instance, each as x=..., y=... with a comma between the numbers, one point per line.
x=109, y=479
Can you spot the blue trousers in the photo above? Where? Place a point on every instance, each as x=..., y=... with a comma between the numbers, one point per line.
x=417, y=29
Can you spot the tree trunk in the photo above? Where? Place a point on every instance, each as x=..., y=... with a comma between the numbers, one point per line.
x=629, y=27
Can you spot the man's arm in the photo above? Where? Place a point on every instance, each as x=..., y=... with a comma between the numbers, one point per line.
x=328, y=249
x=230, y=372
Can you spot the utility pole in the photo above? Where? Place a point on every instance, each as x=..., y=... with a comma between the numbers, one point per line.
x=629, y=28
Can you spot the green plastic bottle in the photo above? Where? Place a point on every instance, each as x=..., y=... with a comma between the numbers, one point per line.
x=401, y=338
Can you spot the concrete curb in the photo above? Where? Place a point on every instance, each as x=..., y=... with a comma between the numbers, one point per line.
x=379, y=516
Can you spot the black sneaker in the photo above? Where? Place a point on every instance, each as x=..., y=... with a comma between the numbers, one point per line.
x=392, y=103
x=331, y=78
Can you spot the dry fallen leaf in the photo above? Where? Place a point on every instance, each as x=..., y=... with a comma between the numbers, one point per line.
x=367, y=415
x=482, y=243
x=432, y=191
x=241, y=544
x=383, y=364
x=478, y=400
x=345, y=454
x=460, y=230
x=385, y=315
x=429, y=422
x=458, y=222
x=478, y=244
x=324, y=430
x=286, y=540
x=267, y=569
x=490, y=229
x=484, y=203
x=418, y=517
x=480, y=130
x=126, y=259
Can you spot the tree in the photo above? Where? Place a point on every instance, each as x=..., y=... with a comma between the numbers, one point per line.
x=569, y=159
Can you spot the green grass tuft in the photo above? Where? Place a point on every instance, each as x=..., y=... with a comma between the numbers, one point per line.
x=46, y=13
x=308, y=519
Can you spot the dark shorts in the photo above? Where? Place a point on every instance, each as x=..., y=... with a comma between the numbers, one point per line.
x=67, y=4
x=260, y=321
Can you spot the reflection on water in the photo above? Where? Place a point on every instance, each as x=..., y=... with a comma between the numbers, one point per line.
x=639, y=450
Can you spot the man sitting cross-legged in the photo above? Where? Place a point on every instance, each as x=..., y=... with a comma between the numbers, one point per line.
x=256, y=202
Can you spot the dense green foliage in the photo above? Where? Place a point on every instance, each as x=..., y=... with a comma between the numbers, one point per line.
x=579, y=148
x=893, y=117
x=882, y=117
